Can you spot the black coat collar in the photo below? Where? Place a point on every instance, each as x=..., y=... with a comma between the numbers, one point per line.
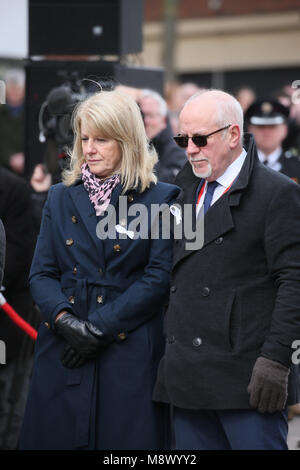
x=187, y=181
x=218, y=219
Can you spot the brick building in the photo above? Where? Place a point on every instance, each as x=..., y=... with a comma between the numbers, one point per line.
x=228, y=43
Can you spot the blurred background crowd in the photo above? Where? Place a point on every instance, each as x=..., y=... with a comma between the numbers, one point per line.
x=246, y=48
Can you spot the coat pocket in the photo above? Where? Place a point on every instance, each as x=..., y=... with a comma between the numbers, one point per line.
x=233, y=321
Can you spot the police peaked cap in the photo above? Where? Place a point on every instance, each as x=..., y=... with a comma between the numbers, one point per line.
x=266, y=112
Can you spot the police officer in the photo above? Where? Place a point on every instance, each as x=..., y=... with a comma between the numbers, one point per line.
x=267, y=120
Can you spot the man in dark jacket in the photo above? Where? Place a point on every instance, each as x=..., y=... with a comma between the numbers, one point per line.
x=17, y=217
x=233, y=316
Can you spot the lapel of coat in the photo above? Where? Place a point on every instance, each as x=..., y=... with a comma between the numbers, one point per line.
x=83, y=205
x=87, y=213
x=218, y=220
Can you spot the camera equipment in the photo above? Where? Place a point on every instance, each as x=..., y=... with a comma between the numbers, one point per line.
x=54, y=119
x=53, y=88
x=68, y=41
x=56, y=111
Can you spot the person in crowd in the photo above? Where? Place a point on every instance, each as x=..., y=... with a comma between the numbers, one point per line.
x=246, y=96
x=40, y=183
x=292, y=140
x=233, y=313
x=17, y=216
x=12, y=124
x=267, y=120
x=102, y=297
x=180, y=94
x=177, y=95
x=158, y=129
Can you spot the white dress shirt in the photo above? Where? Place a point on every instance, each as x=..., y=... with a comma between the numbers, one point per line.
x=272, y=159
x=224, y=180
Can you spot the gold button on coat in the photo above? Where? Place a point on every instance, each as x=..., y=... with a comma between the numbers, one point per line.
x=47, y=324
x=72, y=299
x=75, y=269
x=130, y=198
x=117, y=248
x=69, y=242
x=74, y=219
x=100, y=299
x=122, y=336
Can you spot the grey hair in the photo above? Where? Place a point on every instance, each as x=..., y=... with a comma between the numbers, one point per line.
x=229, y=111
x=163, y=108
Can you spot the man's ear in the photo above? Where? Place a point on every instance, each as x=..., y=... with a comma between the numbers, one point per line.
x=235, y=134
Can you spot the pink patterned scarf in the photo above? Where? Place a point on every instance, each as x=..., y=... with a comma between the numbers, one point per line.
x=99, y=191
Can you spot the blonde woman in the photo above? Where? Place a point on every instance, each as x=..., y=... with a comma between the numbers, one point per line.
x=102, y=297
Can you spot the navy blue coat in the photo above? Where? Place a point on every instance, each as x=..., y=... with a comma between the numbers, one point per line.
x=121, y=286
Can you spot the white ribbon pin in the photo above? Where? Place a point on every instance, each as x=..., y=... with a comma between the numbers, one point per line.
x=121, y=229
x=176, y=211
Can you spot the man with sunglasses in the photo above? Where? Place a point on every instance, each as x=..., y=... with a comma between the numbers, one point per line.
x=233, y=317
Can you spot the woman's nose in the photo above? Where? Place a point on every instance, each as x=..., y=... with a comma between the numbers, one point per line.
x=90, y=147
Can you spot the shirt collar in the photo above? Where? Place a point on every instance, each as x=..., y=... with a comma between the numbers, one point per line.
x=232, y=170
x=272, y=158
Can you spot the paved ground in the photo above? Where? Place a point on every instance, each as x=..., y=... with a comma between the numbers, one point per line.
x=294, y=434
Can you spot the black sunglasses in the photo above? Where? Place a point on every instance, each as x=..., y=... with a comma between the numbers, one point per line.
x=199, y=140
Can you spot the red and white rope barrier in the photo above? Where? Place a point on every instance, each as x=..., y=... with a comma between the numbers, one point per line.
x=17, y=319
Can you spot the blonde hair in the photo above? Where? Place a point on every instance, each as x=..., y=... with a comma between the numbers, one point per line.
x=114, y=115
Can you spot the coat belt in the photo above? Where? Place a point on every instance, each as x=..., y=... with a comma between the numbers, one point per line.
x=87, y=374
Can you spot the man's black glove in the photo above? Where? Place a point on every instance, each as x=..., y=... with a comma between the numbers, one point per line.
x=268, y=386
x=71, y=358
x=82, y=335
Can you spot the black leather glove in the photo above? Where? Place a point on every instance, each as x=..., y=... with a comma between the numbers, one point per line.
x=268, y=386
x=82, y=335
x=71, y=358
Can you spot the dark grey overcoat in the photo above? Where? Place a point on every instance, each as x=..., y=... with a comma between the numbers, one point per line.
x=236, y=298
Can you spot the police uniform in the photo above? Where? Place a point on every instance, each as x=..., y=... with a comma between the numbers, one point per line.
x=271, y=112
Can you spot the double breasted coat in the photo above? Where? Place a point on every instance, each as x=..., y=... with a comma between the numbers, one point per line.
x=120, y=285
x=238, y=296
